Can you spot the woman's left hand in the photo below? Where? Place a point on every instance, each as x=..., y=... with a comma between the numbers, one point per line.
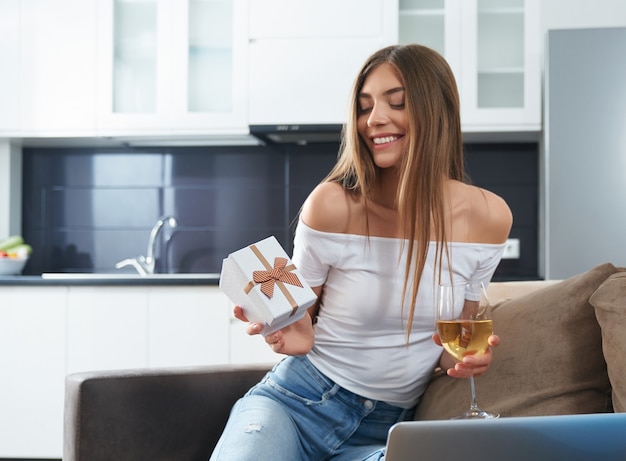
x=294, y=339
x=471, y=364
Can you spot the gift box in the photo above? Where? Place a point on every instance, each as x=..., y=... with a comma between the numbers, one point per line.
x=262, y=280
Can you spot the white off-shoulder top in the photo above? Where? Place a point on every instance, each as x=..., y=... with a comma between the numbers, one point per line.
x=360, y=334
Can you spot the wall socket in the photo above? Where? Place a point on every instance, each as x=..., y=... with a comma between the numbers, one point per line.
x=511, y=250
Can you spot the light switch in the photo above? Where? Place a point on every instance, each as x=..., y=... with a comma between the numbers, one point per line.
x=511, y=250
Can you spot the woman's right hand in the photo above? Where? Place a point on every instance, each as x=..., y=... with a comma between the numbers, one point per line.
x=294, y=339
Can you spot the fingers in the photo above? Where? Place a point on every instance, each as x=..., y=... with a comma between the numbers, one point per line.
x=275, y=341
x=254, y=328
x=474, y=364
x=463, y=370
x=251, y=328
x=238, y=313
x=494, y=340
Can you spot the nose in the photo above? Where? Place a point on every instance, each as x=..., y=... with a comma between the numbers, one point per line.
x=378, y=116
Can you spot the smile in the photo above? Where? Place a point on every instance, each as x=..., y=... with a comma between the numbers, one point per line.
x=384, y=140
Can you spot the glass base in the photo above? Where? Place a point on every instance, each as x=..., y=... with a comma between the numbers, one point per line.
x=477, y=414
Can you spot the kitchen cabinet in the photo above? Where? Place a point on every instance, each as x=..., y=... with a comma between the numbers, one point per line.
x=135, y=327
x=304, y=56
x=493, y=47
x=435, y=24
x=9, y=57
x=167, y=67
x=47, y=332
x=47, y=83
x=32, y=360
x=501, y=69
x=57, y=68
x=190, y=333
x=106, y=329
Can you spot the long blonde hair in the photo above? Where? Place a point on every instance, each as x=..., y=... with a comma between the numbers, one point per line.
x=434, y=152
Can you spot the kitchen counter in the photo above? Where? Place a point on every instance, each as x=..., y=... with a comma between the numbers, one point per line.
x=65, y=279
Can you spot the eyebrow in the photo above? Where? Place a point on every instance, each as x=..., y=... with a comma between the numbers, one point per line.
x=386, y=93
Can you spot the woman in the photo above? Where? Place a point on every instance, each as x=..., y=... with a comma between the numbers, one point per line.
x=393, y=218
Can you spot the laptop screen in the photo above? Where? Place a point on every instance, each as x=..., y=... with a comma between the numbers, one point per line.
x=593, y=437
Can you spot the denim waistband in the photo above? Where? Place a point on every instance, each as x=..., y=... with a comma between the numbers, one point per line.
x=293, y=368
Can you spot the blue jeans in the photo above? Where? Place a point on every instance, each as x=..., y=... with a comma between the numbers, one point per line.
x=296, y=413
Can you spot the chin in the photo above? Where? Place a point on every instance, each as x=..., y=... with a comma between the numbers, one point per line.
x=387, y=161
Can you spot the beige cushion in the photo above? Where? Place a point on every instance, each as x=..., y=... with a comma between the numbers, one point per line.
x=549, y=361
x=610, y=303
x=498, y=292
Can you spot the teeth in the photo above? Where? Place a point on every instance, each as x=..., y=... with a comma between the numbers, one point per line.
x=384, y=140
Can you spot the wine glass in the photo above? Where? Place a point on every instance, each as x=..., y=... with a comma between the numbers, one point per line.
x=464, y=325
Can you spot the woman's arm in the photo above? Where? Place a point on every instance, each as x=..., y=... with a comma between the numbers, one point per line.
x=326, y=209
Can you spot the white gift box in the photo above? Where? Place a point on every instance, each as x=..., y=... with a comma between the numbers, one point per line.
x=263, y=281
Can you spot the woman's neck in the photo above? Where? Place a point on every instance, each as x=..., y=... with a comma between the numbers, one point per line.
x=386, y=188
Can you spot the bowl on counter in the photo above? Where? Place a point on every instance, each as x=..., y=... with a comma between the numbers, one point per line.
x=12, y=266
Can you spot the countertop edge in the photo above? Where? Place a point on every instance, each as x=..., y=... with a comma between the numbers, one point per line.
x=37, y=280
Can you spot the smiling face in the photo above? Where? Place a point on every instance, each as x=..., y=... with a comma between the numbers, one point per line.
x=382, y=120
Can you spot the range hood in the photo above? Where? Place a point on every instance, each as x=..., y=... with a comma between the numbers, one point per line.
x=296, y=134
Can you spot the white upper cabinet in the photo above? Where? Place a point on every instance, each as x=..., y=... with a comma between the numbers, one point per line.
x=435, y=24
x=47, y=83
x=501, y=68
x=9, y=57
x=304, y=56
x=162, y=68
x=168, y=67
x=493, y=47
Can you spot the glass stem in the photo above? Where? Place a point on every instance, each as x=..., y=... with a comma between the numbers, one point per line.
x=473, y=404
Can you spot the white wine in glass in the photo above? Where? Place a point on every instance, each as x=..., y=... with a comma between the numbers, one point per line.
x=464, y=325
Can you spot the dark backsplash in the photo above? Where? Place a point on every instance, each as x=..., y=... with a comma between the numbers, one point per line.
x=86, y=209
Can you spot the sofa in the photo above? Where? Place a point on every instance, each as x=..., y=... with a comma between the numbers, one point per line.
x=562, y=353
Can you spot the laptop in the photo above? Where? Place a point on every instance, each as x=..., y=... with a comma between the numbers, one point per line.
x=589, y=437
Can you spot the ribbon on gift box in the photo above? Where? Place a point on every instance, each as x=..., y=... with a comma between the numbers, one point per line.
x=277, y=275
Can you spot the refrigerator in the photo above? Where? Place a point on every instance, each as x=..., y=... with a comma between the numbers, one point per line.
x=583, y=155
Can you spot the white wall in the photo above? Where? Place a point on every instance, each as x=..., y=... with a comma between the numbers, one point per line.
x=570, y=14
x=580, y=14
x=10, y=189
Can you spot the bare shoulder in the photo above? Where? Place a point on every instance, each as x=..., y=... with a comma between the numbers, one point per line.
x=494, y=214
x=490, y=218
x=327, y=208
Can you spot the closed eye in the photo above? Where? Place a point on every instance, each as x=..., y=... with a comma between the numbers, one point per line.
x=394, y=97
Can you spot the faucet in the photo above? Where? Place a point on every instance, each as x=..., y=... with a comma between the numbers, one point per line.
x=145, y=264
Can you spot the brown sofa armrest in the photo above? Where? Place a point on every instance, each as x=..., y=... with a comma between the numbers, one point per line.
x=151, y=414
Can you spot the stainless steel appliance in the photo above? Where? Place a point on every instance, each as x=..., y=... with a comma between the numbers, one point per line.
x=583, y=220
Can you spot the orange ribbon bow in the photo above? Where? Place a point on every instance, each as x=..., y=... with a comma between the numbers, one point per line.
x=268, y=278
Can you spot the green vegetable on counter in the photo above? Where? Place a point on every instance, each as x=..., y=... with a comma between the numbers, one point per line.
x=11, y=242
x=15, y=245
